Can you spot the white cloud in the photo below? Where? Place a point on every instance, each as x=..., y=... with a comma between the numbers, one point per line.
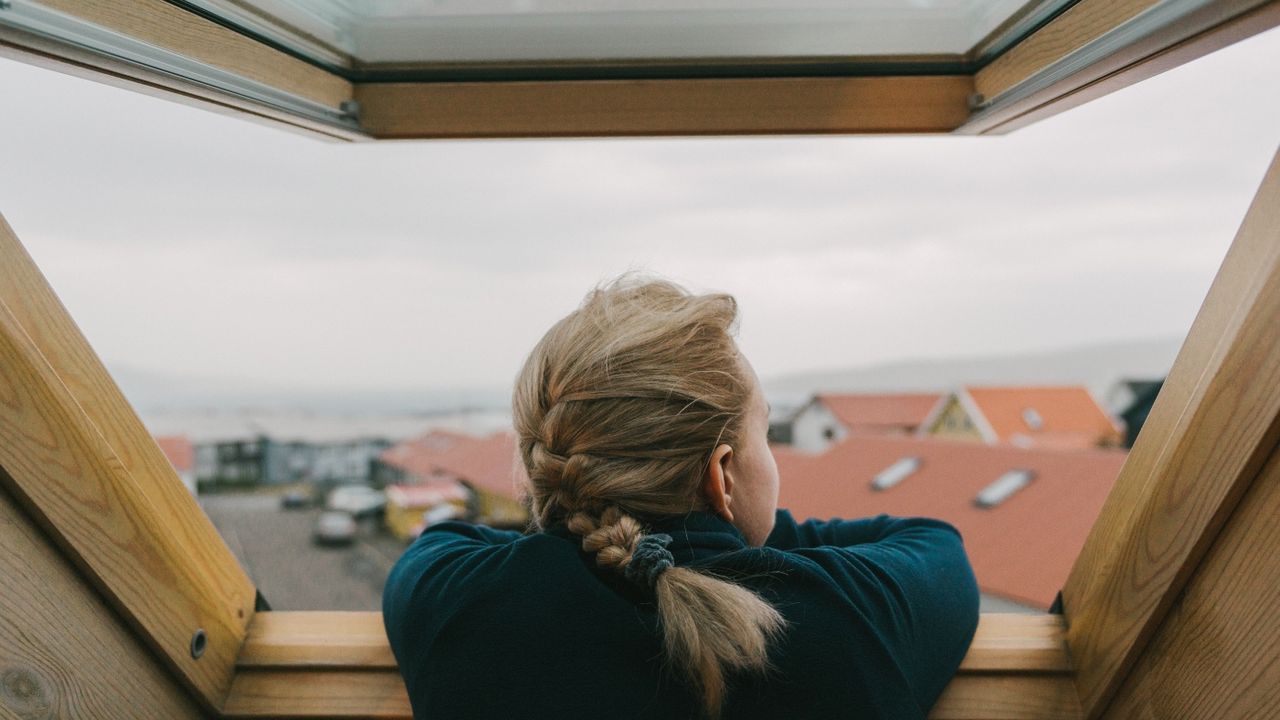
x=199, y=243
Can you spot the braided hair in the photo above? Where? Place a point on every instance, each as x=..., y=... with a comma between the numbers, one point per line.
x=617, y=411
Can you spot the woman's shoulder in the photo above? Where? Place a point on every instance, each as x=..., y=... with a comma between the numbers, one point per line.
x=446, y=552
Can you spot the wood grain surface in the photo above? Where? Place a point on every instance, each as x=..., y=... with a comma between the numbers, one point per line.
x=1017, y=643
x=726, y=106
x=1084, y=22
x=292, y=640
x=1201, y=31
x=63, y=653
x=169, y=27
x=1213, y=425
x=1217, y=654
x=84, y=466
x=381, y=694
x=335, y=694
x=59, y=57
x=316, y=640
x=316, y=664
x=1008, y=697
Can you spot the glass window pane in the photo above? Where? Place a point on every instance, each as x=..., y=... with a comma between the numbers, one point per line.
x=472, y=31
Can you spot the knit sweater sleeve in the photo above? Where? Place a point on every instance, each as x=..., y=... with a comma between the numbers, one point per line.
x=909, y=578
x=790, y=535
x=432, y=573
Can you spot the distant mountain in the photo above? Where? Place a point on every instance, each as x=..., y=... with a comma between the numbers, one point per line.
x=1094, y=366
x=150, y=391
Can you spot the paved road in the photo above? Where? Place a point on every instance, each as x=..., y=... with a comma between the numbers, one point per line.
x=274, y=547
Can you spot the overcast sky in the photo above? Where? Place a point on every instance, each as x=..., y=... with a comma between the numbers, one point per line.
x=194, y=243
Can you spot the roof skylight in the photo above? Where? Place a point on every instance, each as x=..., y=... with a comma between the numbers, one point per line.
x=895, y=473
x=1004, y=486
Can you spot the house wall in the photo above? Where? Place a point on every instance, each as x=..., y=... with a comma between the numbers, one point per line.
x=287, y=462
x=402, y=519
x=954, y=423
x=494, y=509
x=346, y=462
x=383, y=473
x=816, y=428
x=232, y=463
x=1119, y=397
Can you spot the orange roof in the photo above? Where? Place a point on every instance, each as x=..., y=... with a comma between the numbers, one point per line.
x=488, y=463
x=1021, y=549
x=419, y=456
x=179, y=450
x=1067, y=416
x=865, y=412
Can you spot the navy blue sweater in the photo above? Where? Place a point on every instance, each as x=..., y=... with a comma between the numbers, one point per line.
x=493, y=624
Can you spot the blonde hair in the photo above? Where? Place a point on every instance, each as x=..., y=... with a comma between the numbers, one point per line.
x=617, y=411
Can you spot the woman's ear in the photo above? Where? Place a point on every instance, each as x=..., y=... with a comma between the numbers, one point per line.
x=717, y=482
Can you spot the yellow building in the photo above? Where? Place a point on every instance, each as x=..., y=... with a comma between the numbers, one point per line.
x=953, y=421
x=407, y=504
x=485, y=468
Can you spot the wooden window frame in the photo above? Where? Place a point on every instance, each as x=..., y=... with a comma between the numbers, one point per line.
x=1079, y=55
x=338, y=664
x=80, y=463
x=1071, y=60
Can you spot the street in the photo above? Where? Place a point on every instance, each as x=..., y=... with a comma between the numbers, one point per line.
x=274, y=546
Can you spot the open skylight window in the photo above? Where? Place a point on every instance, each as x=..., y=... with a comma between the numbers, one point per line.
x=450, y=31
x=1004, y=486
x=895, y=473
x=384, y=69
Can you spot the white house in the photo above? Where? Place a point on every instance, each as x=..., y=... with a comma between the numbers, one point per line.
x=830, y=417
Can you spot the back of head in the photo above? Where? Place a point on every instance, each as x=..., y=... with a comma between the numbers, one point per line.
x=617, y=412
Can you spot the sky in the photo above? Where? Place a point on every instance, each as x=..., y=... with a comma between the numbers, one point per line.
x=197, y=244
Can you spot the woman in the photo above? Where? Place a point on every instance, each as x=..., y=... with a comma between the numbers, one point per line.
x=660, y=580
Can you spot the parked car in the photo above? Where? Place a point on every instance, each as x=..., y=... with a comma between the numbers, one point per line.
x=334, y=528
x=294, y=500
x=359, y=500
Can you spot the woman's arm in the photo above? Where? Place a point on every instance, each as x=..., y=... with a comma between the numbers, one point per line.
x=789, y=535
x=911, y=581
x=432, y=570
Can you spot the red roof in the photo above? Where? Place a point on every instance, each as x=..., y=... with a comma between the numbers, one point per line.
x=1068, y=416
x=419, y=456
x=427, y=495
x=1021, y=549
x=864, y=412
x=487, y=463
x=179, y=450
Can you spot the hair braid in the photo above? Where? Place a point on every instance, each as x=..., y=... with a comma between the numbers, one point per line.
x=612, y=537
x=617, y=410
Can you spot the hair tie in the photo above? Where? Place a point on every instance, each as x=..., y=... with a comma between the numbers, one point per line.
x=650, y=559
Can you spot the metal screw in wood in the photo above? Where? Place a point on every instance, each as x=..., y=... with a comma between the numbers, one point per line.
x=198, y=643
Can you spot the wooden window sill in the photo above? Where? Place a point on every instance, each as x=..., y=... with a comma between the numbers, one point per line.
x=338, y=665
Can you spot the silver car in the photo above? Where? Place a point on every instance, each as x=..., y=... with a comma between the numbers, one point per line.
x=334, y=528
